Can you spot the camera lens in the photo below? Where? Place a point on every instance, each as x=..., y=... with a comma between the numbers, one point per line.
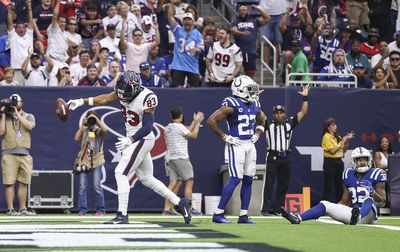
x=91, y=121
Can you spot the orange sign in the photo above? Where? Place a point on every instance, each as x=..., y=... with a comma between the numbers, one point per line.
x=298, y=203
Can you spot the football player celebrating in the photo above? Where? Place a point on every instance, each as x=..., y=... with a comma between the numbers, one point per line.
x=363, y=191
x=137, y=105
x=242, y=112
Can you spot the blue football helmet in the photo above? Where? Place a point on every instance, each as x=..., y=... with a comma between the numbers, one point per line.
x=128, y=86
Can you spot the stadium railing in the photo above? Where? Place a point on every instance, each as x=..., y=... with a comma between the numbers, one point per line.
x=227, y=11
x=317, y=83
x=264, y=65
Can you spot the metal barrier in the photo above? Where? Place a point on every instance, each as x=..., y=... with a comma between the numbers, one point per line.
x=265, y=65
x=227, y=12
x=316, y=83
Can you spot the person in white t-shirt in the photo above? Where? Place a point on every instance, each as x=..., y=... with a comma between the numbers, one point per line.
x=137, y=52
x=20, y=39
x=74, y=39
x=8, y=78
x=35, y=74
x=395, y=45
x=149, y=34
x=111, y=18
x=177, y=157
x=111, y=41
x=78, y=71
x=130, y=20
x=57, y=40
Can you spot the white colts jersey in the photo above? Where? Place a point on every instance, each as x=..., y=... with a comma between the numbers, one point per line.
x=133, y=112
x=223, y=59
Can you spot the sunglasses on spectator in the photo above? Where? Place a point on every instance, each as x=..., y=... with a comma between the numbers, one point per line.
x=72, y=23
x=74, y=47
x=396, y=59
x=137, y=35
x=67, y=72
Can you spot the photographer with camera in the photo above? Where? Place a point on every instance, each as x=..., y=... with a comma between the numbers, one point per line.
x=16, y=162
x=90, y=161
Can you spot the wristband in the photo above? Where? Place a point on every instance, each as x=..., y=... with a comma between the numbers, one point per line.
x=90, y=101
x=305, y=98
x=260, y=127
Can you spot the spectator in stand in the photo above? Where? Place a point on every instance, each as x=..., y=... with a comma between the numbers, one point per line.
x=299, y=63
x=91, y=25
x=362, y=80
x=21, y=41
x=394, y=64
x=135, y=9
x=344, y=38
x=149, y=33
x=111, y=18
x=270, y=29
x=371, y=47
x=325, y=46
x=356, y=31
x=358, y=11
x=57, y=40
x=103, y=64
x=78, y=71
x=63, y=77
x=113, y=74
x=379, y=16
x=324, y=9
x=35, y=74
x=137, y=52
x=21, y=10
x=157, y=64
x=338, y=65
x=8, y=78
x=185, y=63
x=150, y=79
x=198, y=24
x=381, y=59
x=94, y=51
x=381, y=76
x=73, y=55
x=74, y=38
x=355, y=56
x=244, y=30
x=91, y=78
x=180, y=8
x=395, y=45
x=306, y=42
x=382, y=153
x=130, y=20
x=42, y=16
x=111, y=42
x=147, y=7
x=102, y=5
x=224, y=60
x=69, y=8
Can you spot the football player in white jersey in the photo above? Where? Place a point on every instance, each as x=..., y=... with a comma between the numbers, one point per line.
x=224, y=60
x=363, y=192
x=138, y=104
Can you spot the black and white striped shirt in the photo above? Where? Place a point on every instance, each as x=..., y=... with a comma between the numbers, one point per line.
x=279, y=134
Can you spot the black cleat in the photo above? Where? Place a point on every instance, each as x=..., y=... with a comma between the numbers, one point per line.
x=293, y=218
x=355, y=213
x=119, y=219
x=184, y=208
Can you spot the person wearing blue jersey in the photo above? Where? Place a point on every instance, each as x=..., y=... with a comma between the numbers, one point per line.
x=189, y=45
x=337, y=65
x=245, y=120
x=363, y=192
x=150, y=79
x=325, y=45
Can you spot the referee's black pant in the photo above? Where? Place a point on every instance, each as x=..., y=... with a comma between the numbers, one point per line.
x=278, y=171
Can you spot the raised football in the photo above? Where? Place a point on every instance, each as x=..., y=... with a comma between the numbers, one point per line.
x=62, y=109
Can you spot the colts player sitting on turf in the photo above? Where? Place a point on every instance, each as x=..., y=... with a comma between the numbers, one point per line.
x=243, y=113
x=364, y=190
x=138, y=104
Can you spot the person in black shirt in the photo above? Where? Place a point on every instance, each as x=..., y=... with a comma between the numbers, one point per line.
x=279, y=132
x=362, y=80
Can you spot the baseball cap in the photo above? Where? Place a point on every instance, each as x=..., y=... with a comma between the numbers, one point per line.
x=374, y=32
x=91, y=66
x=294, y=16
x=358, y=65
x=111, y=27
x=144, y=65
x=188, y=15
x=295, y=43
x=37, y=55
x=278, y=108
x=146, y=20
x=63, y=65
x=15, y=97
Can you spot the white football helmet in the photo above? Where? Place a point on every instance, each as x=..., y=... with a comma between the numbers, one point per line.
x=358, y=153
x=245, y=87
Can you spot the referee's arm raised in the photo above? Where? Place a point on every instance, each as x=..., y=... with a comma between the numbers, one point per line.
x=304, y=106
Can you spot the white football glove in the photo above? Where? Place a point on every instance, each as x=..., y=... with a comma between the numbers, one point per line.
x=74, y=104
x=232, y=140
x=254, y=139
x=123, y=143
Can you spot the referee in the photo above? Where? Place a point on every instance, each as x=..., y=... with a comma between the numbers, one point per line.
x=278, y=133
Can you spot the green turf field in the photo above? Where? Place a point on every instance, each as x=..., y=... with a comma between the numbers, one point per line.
x=155, y=233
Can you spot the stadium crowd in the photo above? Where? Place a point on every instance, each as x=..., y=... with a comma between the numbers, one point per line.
x=89, y=42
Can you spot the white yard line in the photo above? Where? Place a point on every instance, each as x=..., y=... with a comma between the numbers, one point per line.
x=330, y=221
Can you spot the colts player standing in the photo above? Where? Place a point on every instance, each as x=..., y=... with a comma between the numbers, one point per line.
x=137, y=104
x=364, y=190
x=242, y=112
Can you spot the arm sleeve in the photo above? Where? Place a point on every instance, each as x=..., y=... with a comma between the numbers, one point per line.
x=147, y=125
